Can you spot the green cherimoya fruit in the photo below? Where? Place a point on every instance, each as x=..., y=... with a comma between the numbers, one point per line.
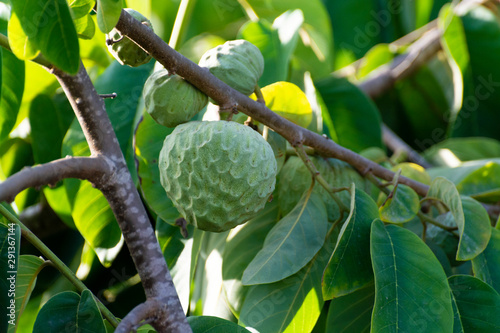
x=123, y=49
x=218, y=174
x=171, y=100
x=238, y=63
x=295, y=179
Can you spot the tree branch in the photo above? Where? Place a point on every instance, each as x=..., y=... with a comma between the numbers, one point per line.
x=147, y=311
x=88, y=168
x=124, y=200
x=229, y=98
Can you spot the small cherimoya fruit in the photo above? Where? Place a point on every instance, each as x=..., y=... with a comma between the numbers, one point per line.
x=238, y=63
x=218, y=174
x=171, y=100
x=123, y=49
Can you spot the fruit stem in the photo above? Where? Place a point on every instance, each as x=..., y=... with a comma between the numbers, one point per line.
x=181, y=23
x=319, y=178
x=57, y=263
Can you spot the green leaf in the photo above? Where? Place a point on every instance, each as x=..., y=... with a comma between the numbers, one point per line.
x=12, y=80
x=287, y=100
x=149, y=138
x=276, y=43
x=10, y=241
x=482, y=184
x=208, y=324
x=411, y=291
x=23, y=47
x=108, y=14
x=470, y=216
x=291, y=305
x=352, y=312
x=15, y=154
x=43, y=116
x=349, y=267
x=291, y=244
x=455, y=46
x=464, y=149
x=242, y=245
x=177, y=251
x=27, y=271
x=476, y=305
x=315, y=54
x=80, y=8
x=67, y=311
x=85, y=27
x=377, y=56
x=486, y=266
x=278, y=144
x=402, y=207
x=49, y=26
x=413, y=171
x=355, y=117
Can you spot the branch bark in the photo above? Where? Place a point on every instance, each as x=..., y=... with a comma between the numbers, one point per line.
x=124, y=200
x=147, y=311
x=230, y=98
x=88, y=168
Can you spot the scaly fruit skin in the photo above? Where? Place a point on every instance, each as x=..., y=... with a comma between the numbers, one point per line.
x=126, y=51
x=295, y=179
x=238, y=63
x=218, y=174
x=171, y=100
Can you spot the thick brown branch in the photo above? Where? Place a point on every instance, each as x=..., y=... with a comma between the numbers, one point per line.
x=88, y=168
x=142, y=314
x=228, y=97
x=124, y=200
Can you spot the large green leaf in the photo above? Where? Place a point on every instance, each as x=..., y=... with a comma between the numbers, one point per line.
x=479, y=115
x=291, y=305
x=355, y=117
x=12, y=82
x=402, y=207
x=48, y=128
x=23, y=47
x=455, y=46
x=291, y=244
x=10, y=241
x=15, y=154
x=243, y=244
x=208, y=324
x=108, y=13
x=70, y=312
x=316, y=54
x=352, y=312
x=486, y=266
x=464, y=149
x=482, y=184
x=476, y=305
x=349, y=267
x=149, y=138
x=27, y=271
x=470, y=217
x=48, y=26
x=276, y=42
x=377, y=56
x=411, y=290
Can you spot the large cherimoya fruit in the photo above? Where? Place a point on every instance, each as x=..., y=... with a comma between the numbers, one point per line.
x=238, y=63
x=218, y=174
x=295, y=179
x=123, y=49
x=170, y=99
